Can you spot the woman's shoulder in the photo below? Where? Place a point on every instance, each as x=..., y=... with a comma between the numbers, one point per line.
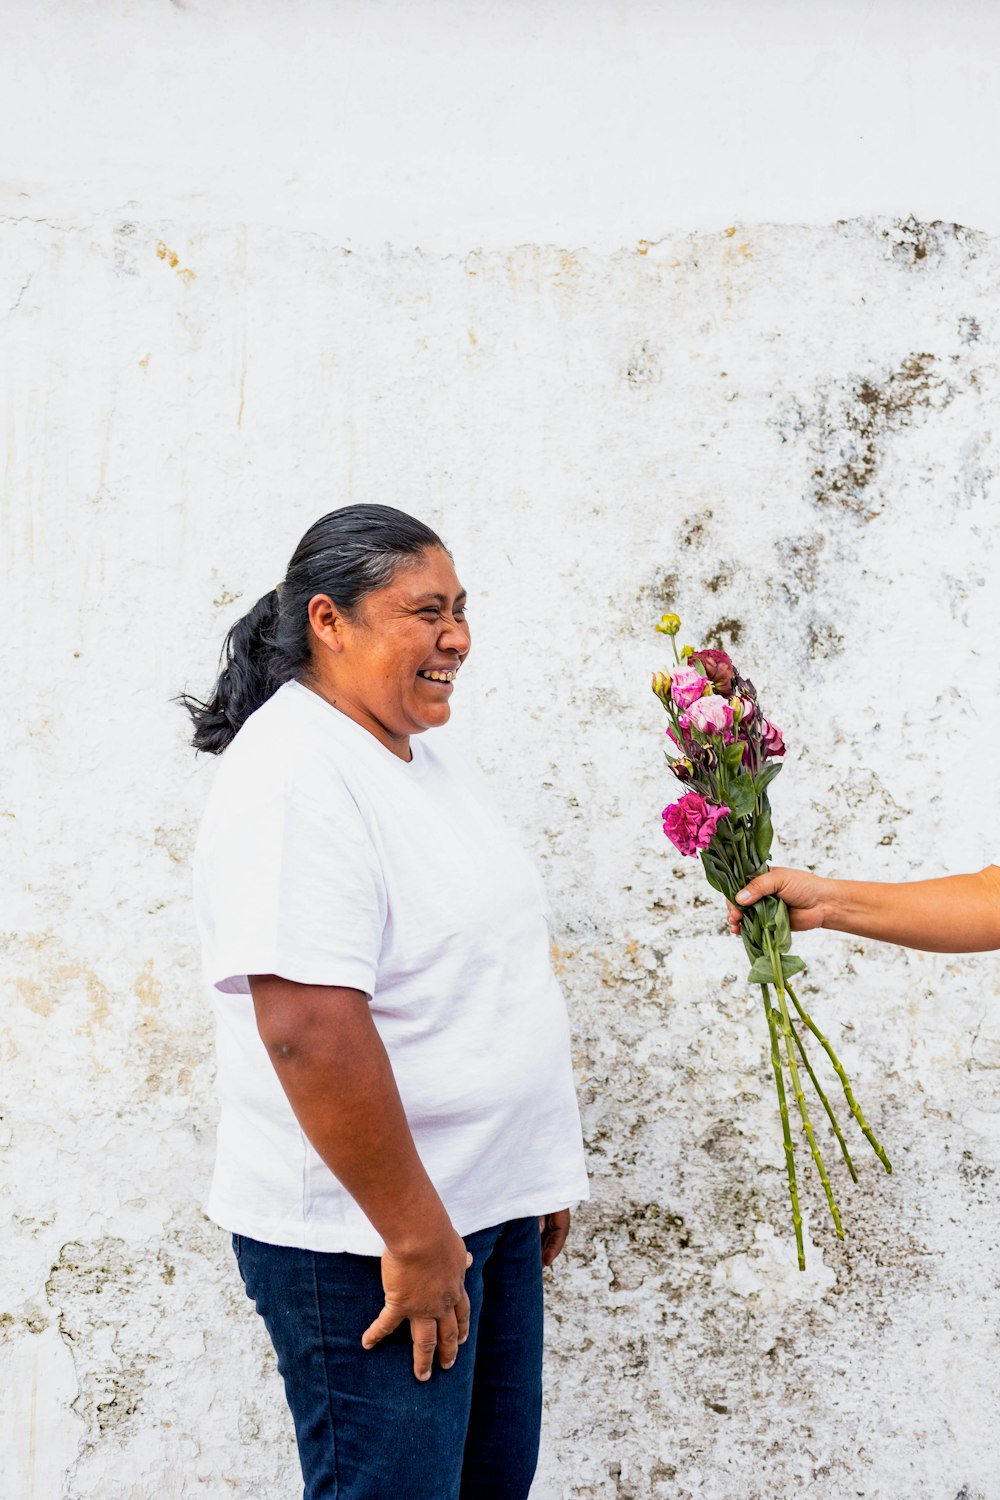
x=283, y=746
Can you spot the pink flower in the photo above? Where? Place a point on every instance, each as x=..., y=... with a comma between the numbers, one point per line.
x=690, y=823
x=686, y=685
x=771, y=741
x=711, y=715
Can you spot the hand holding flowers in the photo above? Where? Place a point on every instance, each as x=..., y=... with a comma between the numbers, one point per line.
x=729, y=755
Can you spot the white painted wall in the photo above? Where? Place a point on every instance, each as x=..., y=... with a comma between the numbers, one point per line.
x=215, y=325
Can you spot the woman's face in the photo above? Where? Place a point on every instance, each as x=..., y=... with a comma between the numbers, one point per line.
x=391, y=667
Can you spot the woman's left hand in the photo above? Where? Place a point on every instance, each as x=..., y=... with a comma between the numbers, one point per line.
x=554, y=1228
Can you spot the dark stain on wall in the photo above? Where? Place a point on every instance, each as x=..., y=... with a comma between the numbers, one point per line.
x=853, y=424
x=724, y=632
x=694, y=530
x=914, y=244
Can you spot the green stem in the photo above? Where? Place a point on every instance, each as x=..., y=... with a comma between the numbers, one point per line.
x=853, y=1105
x=800, y=1098
x=786, y=1131
x=825, y=1103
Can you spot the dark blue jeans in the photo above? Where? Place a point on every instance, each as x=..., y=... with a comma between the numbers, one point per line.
x=366, y=1428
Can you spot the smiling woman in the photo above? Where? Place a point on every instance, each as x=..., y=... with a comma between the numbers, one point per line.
x=398, y=1137
x=391, y=666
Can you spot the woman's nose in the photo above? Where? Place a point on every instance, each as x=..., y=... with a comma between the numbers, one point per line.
x=455, y=636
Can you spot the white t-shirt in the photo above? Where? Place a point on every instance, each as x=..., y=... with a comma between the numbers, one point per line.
x=326, y=859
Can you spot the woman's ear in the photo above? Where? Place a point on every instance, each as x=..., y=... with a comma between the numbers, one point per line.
x=327, y=622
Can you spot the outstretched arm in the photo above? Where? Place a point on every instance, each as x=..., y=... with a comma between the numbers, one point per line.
x=954, y=914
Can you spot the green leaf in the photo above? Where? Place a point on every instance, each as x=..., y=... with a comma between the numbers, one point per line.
x=761, y=973
x=763, y=834
x=782, y=928
x=717, y=873
x=698, y=668
x=733, y=756
x=748, y=944
x=767, y=910
x=764, y=779
x=741, y=797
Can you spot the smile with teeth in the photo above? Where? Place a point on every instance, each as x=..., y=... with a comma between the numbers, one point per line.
x=438, y=676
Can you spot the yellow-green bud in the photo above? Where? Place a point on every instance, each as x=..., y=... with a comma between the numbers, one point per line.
x=669, y=624
x=687, y=651
x=661, y=686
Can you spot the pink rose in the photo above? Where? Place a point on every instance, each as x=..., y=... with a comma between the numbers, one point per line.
x=771, y=741
x=711, y=715
x=690, y=823
x=686, y=685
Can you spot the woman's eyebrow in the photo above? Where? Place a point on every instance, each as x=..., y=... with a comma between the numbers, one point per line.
x=439, y=598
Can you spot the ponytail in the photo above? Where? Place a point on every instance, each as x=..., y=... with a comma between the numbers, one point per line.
x=345, y=555
x=246, y=680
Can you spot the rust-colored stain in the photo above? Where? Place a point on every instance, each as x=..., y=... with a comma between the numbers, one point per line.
x=99, y=1000
x=743, y=250
x=34, y=997
x=730, y=232
x=54, y=975
x=643, y=247
x=472, y=337
x=173, y=260
x=144, y=363
x=223, y=601
x=175, y=842
x=148, y=989
x=561, y=958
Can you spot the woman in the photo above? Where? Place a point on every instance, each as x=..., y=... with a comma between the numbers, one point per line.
x=951, y=914
x=399, y=1136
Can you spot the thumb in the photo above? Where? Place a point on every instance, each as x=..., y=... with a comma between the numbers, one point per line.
x=761, y=885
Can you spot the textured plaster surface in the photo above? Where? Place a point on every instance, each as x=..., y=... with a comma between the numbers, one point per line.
x=785, y=433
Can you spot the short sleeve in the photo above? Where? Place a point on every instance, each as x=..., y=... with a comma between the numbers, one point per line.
x=287, y=882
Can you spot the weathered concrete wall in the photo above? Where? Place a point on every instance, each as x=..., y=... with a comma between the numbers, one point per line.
x=782, y=432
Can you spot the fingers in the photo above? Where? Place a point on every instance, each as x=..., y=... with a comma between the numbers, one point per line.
x=463, y=1314
x=387, y=1322
x=425, y=1332
x=554, y=1235
x=429, y=1335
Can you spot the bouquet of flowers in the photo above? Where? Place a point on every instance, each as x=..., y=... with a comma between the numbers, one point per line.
x=728, y=754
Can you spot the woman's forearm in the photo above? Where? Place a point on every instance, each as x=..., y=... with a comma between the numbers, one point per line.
x=334, y=1070
x=953, y=914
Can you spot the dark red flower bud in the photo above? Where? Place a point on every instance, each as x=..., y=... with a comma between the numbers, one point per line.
x=718, y=668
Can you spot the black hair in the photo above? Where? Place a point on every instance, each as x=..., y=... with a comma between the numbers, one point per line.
x=346, y=554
